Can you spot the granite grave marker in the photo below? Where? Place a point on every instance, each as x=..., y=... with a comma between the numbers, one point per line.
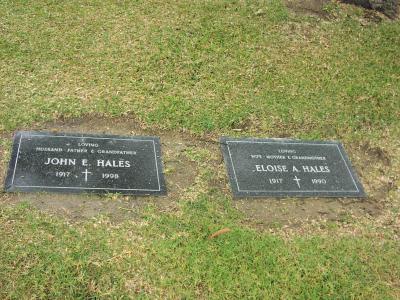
x=289, y=168
x=85, y=163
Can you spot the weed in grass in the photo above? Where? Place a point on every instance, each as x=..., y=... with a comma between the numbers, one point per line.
x=197, y=155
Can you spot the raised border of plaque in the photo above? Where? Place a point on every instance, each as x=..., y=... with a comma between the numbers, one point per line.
x=245, y=181
x=152, y=179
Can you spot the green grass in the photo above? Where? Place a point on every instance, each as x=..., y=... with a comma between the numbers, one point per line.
x=162, y=256
x=202, y=66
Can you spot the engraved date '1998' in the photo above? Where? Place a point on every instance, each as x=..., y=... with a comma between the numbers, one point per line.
x=109, y=176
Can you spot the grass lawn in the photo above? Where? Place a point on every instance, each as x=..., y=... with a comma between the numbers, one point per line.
x=203, y=68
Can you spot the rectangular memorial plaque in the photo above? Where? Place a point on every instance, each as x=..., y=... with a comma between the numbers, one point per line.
x=289, y=168
x=85, y=163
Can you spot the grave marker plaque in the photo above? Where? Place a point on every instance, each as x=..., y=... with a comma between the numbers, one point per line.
x=289, y=168
x=85, y=163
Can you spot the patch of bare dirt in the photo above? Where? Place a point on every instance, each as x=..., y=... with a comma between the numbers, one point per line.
x=308, y=7
x=295, y=211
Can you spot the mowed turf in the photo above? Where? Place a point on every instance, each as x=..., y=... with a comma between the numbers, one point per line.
x=208, y=65
x=202, y=66
x=169, y=257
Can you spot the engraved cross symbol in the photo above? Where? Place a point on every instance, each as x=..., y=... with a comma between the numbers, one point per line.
x=86, y=174
x=297, y=180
